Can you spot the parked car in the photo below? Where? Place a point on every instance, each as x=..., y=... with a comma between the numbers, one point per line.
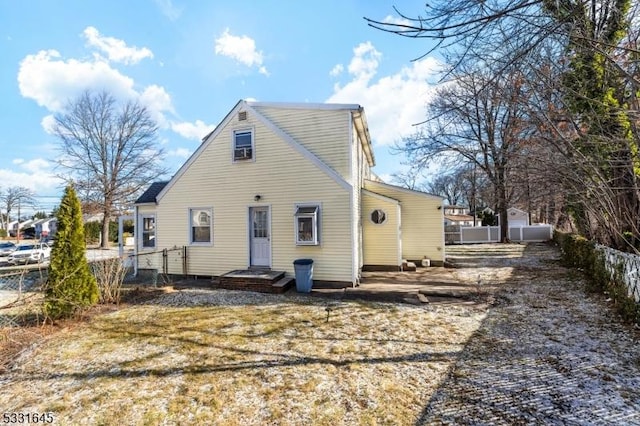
x=49, y=240
x=6, y=248
x=31, y=252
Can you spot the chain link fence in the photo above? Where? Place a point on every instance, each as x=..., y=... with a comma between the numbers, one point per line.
x=156, y=267
x=20, y=294
x=21, y=290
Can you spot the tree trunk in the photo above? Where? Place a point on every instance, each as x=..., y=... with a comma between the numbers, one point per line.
x=106, y=220
x=504, y=224
x=502, y=204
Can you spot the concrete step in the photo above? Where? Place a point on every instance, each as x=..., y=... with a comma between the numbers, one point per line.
x=282, y=285
x=252, y=280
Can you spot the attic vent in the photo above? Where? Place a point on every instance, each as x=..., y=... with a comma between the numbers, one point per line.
x=242, y=115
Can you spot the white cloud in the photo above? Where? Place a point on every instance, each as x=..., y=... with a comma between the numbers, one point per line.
x=242, y=49
x=180, y=153
x=337, y=70
x=51, y=81
x=36, y=174
x=35, y=166
x=48, y=122
x=158, y=101
x=392, y=103
x=116, y=49
x=195, y=131
x=396, y=20
x=168, y=9
x=365, y=61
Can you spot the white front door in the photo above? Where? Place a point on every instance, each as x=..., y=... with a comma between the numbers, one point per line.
x=260, y=236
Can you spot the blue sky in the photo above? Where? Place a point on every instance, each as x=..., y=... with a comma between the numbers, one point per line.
x=189, y=62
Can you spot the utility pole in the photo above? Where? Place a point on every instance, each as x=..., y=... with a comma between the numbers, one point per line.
x=18, y=232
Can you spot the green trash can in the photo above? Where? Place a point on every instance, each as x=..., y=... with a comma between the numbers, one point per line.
x=304, y=275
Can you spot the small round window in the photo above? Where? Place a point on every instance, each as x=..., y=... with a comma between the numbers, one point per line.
x=378, y=216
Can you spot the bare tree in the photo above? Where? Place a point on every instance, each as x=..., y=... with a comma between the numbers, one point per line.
x=108, y=150
x=586, y=118
x=477, y=122
x=16, y=197
x=470, y=27
x=454, y=186
x=411, y=178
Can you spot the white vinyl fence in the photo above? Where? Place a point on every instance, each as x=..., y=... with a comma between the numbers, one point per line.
x=491, y=234
x=630, y=264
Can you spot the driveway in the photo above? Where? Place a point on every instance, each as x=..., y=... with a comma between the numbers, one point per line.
x=547, y=353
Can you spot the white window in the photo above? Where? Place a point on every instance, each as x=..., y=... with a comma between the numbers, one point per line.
x=307, y=219
x=148, y=231
x=378, y=217
x=242, y=145
x=200, y=225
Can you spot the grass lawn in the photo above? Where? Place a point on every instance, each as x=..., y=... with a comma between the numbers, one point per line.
x=225, y=357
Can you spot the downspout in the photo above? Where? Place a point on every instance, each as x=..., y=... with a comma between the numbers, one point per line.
x=135, y=240
x=352, y=209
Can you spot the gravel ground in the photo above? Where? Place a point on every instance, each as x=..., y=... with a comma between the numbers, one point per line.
x=546, y=354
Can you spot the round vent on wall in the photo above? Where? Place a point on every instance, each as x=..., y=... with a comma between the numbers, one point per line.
x=378, y=216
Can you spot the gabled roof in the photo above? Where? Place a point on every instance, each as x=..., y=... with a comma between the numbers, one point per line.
x=380, y=196
x=406, y=190
x=357, y=114
x=516, y=209
x=150, y=195
x=25, y=224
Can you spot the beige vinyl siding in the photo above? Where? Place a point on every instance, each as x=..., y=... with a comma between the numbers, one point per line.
x=282, y=177
x=422, y=221
x=147, y=258
x=323, y=132
x=381, y=241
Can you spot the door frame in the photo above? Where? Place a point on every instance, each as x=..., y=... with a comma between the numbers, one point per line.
x=250, y=234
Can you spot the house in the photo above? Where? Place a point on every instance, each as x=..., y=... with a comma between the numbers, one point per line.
x=457, y=215
x=275, y=182
x=12, y=228
x=45, y=227
x=517, y=217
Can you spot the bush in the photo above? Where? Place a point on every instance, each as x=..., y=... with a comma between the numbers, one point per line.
x=109, y=274
x=578, y=252
x=113, y=232
x=93, y=230
x=3, y=233
x=70, y=286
